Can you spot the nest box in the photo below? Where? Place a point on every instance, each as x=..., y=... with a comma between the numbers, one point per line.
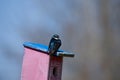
x=39, y=65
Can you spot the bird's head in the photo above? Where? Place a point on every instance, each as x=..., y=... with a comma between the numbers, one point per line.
x=55, y=36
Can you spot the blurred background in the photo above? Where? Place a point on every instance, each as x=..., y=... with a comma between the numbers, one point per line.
x=89, y=28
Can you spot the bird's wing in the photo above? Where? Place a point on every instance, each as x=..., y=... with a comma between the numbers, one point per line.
x=52, y=47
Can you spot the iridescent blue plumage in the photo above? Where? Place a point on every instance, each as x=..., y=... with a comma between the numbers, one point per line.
x=54, y=44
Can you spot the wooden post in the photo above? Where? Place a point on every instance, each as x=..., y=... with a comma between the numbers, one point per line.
x=39, y=65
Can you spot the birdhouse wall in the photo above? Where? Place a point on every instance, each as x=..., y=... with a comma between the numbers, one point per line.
x=38, y=64
x=35, y=65
x=55, y=68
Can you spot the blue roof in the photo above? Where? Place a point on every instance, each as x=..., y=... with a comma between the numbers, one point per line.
x=44, y=48
x=36, y=46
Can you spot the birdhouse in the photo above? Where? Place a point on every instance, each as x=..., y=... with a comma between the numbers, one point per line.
x=39, y=65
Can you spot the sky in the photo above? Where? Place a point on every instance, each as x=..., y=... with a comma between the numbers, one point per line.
x=26, y=20
x=90, y=28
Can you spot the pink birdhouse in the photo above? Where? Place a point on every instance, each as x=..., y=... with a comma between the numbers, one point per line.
x=39, y=65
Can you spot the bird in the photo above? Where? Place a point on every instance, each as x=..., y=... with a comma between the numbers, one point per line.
x=54, y=44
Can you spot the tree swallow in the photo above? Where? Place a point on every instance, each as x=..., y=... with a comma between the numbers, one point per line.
x=54, y=44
